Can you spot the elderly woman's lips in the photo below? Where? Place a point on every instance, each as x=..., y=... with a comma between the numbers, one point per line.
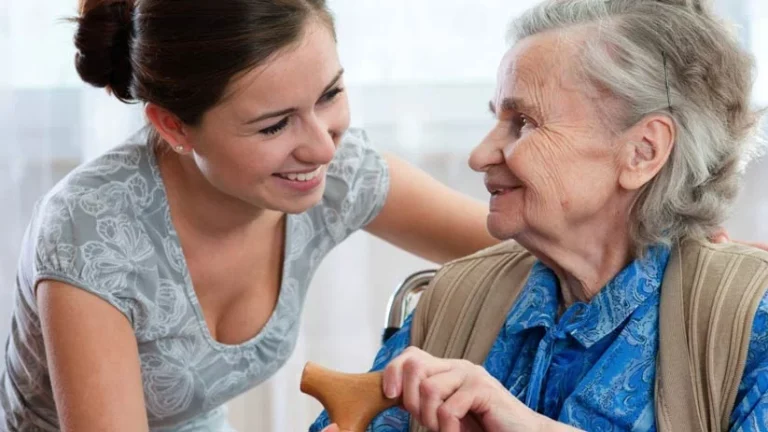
x=501, y=199
x=502, y=190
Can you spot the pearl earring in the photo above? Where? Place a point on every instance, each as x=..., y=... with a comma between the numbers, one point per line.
x=180, y=149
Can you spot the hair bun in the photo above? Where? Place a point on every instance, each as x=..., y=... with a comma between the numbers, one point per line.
x=103, y=41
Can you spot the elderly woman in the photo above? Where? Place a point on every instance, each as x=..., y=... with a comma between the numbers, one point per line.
x=622, y=129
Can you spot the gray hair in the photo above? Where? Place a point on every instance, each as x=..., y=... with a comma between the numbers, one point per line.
x=706, y=93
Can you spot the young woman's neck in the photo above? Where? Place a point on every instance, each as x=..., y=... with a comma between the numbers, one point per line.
x=201, y=207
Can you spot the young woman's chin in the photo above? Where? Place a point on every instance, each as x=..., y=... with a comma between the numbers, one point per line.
x=299, y=206
x=294, y=200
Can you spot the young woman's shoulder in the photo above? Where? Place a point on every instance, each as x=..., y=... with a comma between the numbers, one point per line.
x=90, y=230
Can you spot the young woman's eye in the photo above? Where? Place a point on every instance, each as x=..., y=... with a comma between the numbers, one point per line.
x=275, y=128
x=331, y=95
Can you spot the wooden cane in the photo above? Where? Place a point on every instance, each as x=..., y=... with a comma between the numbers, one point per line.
x=352, y=400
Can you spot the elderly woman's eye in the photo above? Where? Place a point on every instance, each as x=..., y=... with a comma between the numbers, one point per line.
x=519, y=122
x=527, y=121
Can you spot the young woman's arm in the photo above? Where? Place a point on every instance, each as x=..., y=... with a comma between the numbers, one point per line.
x=93, y=361
x=429, y=219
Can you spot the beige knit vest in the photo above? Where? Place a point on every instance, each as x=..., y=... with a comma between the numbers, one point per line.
x=709, y=297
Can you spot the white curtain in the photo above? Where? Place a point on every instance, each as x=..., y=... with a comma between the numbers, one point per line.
x=420, y=74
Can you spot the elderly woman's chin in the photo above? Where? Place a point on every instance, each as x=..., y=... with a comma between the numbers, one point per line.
x=505, y=214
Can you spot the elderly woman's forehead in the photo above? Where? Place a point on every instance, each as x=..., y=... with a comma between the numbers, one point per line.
x=537, y=58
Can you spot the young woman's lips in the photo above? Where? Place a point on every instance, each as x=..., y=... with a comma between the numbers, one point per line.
x=302, y=181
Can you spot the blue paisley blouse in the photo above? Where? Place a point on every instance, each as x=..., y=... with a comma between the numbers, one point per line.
x=594, y=367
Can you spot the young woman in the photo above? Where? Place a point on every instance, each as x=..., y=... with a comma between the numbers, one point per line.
x=167, y=276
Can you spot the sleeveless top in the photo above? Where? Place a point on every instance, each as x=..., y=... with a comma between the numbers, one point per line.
x=106, y=228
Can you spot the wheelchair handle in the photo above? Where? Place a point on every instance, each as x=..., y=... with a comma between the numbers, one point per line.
x=396, y=310
x=352, y=400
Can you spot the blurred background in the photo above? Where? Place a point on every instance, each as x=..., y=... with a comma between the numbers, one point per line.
x=419, y=75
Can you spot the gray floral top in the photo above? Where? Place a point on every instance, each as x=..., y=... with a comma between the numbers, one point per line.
x=106, y=228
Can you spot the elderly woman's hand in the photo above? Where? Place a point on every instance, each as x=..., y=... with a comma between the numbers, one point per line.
x=456, y=396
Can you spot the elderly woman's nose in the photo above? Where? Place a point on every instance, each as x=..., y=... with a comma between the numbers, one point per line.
x=486, y=155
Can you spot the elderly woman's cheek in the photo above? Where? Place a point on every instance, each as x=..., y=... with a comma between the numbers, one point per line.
x=545, y=164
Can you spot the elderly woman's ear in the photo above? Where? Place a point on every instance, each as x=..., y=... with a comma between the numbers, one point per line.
x=644, y=149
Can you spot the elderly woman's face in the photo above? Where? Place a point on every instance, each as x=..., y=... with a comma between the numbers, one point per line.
x=549, y=161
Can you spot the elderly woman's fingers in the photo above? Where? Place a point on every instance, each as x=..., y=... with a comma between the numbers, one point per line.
x=455, y=414
x=441, y=394
x=481, y=403
x=417, y=367
x=392, y=376
x=435, y=390
x=417, y=361
x=467, y=424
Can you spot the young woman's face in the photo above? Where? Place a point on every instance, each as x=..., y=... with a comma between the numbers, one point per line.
x=269, y=142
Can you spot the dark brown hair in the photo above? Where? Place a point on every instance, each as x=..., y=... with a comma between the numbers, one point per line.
x=182, y=54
